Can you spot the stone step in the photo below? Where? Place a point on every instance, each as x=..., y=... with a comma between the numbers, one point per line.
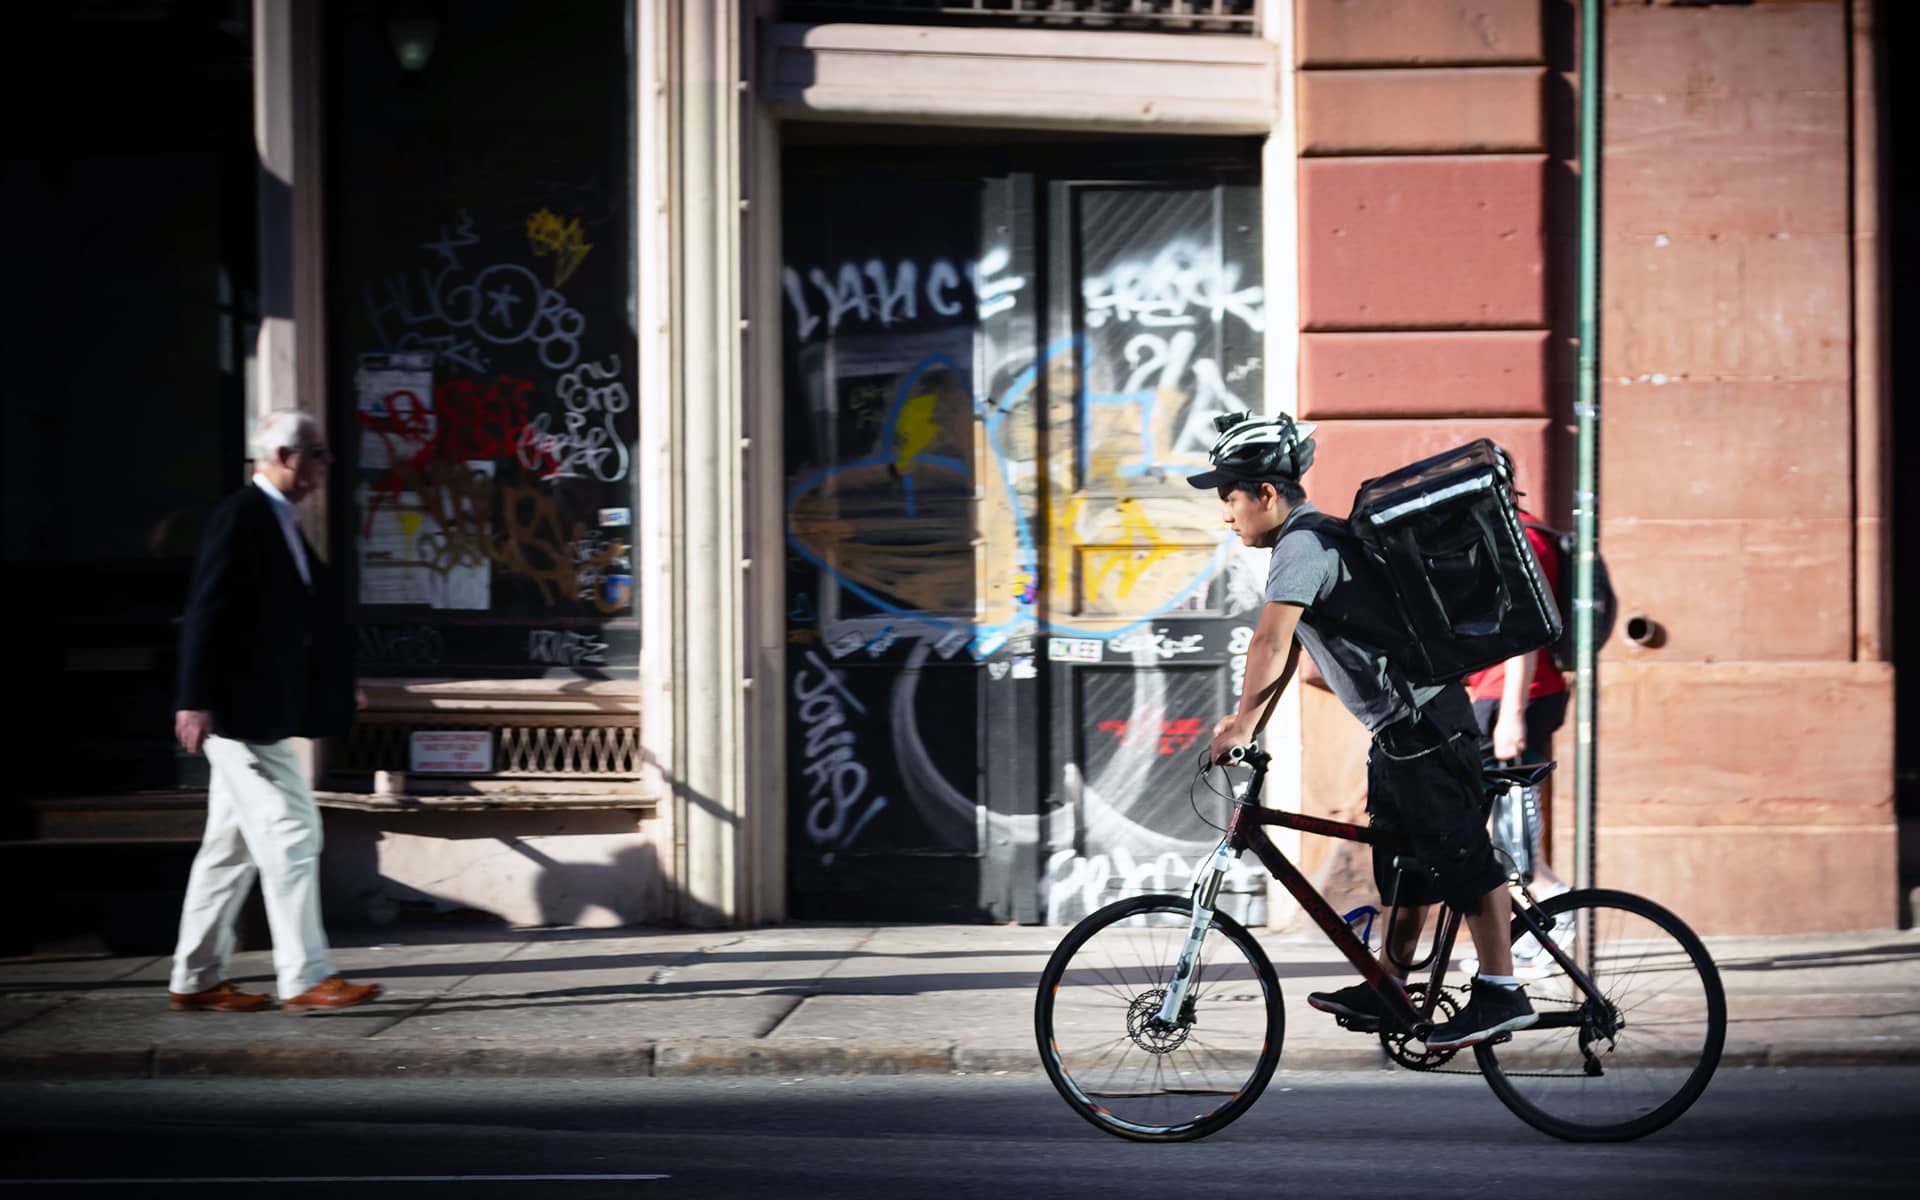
x=135, y=817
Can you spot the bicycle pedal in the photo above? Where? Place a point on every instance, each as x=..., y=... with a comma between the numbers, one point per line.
x=1497, y=1038
x=1358, y=1024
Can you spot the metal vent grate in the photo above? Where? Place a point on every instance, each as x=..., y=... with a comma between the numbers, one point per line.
x=1167, y=16
x=520, y=749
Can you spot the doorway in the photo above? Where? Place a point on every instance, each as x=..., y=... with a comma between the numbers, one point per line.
x=1011, y=622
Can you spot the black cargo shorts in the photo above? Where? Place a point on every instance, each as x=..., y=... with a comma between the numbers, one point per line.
x=1423, y=782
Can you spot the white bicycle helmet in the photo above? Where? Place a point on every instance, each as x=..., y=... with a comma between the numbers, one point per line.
x=1254, y=448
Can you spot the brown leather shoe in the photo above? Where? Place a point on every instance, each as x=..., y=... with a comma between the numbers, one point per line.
x=332, y=992
x=225, y=998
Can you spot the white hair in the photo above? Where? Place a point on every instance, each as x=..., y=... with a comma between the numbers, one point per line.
x=281, y=430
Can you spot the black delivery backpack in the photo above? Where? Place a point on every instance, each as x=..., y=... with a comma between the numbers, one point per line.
x=1447, y=534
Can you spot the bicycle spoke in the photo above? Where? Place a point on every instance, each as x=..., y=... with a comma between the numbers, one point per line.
x=1642, y=1051
x=1113, y=1057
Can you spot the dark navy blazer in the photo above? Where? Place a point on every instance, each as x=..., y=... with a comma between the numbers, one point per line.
x=268, y=655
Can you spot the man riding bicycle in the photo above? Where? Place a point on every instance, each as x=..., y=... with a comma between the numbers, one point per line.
x=1423, y=769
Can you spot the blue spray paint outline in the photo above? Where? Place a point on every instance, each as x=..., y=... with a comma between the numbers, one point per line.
x=986, y=639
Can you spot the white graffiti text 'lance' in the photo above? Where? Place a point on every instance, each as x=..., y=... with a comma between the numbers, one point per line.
x=874, y=293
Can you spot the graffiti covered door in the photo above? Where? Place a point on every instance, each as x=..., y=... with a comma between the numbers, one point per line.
x=1010, y=620
x=882, y=729
x=1157, y=290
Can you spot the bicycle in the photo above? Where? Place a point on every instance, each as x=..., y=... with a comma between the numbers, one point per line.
x=1632, y=1015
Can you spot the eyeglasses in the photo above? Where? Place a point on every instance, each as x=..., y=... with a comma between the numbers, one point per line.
x=320, y=453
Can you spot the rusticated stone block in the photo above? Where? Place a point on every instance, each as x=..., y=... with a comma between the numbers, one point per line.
x=1708, y=798
x=1422, y=111
x=1482, y=373
x=1384, y=32
x=1351, y=452
x=1754, y=164
x=1445, y=242
x=1726, y=50
x=1720, y=591
x=1748, y=744
x=1738, y=306
x=1722, y=880
x=1700, y=450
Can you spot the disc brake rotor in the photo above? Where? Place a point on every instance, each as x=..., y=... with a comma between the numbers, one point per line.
x=1146, y=1028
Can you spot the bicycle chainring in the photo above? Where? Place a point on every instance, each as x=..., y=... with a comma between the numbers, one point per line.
x=1402, y=1047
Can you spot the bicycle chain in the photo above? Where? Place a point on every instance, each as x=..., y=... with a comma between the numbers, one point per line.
x=1441, y=1070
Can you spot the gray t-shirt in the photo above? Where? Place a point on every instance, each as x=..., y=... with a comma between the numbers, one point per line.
x=1308, y=569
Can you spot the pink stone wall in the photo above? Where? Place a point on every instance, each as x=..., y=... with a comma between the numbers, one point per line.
x=1745, y=761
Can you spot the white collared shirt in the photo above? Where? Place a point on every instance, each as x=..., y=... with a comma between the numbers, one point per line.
x=289, y=525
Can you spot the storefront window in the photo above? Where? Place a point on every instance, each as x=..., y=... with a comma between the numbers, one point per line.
x=482, y=357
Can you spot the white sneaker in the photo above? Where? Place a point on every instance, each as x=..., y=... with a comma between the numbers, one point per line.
x=1530, y=959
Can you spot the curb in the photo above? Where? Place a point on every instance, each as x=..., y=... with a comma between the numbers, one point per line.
x=95, y=1060
x=775, y=1056
x=420, y=1058
x=698, y=1057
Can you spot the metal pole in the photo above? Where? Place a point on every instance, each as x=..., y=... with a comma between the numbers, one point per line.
x=1586, y=500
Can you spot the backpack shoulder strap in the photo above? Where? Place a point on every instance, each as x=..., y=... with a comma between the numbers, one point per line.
x=1320, y=522
x=1360, y=561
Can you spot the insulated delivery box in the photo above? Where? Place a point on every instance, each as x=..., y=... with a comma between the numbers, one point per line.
x=1447, y=534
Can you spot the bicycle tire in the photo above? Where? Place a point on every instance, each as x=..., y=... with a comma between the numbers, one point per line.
x=1109, y=989
x=1658, y=981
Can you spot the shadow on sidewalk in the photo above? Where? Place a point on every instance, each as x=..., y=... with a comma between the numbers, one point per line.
x=1858, y=956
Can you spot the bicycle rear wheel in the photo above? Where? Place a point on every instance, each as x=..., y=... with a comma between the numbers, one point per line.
x=1096, y=1020
x=1622, y=1068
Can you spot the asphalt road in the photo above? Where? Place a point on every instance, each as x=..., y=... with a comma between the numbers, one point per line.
x=1756, y=1133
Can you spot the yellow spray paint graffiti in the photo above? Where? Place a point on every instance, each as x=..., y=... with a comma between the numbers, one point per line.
x=916, y=429
x=547, y=233
x=1132, y=559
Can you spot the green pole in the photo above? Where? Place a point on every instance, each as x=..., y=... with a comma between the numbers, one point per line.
x=1586, y=495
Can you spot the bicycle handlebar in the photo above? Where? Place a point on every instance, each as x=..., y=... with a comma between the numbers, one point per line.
x=1249, y=755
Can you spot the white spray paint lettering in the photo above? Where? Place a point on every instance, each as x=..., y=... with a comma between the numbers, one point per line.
x=1167, y=289
x=1237, y=645
x=1079, y=884
x=589, y=391
x=836, y=779
x=565, y=648
x=1156, y=643
x=503, y=303
x=876, y=293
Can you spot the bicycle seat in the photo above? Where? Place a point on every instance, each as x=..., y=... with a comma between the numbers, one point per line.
x=1520, y=774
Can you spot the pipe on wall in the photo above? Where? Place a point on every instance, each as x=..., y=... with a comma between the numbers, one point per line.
x=1586, y=494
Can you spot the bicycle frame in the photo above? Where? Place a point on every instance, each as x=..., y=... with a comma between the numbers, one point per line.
x=1247, y=830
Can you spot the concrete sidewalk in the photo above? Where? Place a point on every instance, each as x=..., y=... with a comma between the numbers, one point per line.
x=794, y=1000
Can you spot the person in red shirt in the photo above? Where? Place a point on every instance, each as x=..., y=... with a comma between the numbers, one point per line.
x=1518, y=704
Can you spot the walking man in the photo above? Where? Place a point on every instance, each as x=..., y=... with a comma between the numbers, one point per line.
x=264, y=657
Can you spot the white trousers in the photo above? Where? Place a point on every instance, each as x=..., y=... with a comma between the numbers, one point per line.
x=261, y=819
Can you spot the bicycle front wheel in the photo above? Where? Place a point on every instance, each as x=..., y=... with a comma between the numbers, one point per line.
x=1628, y=1062
x=1117, y=1065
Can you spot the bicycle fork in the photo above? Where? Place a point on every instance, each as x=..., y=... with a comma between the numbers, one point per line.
x=1206, y=889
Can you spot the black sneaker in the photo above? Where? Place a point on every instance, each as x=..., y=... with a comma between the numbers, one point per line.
x=1491, y=1009
x=1359, y=1007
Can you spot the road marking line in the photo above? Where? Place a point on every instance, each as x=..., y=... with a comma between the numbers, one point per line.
x=185, y=1180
